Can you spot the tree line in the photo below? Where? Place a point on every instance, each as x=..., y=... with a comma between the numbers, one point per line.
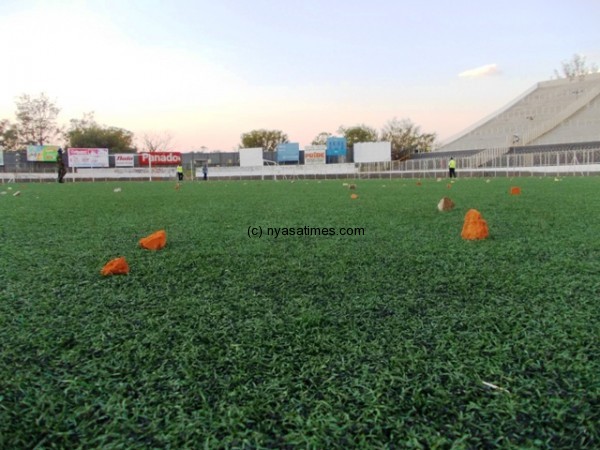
x=37, y=124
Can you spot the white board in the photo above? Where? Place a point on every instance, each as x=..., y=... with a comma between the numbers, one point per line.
x=365, y=152
x=124, y=159
x=88, y=157
x=251, y=157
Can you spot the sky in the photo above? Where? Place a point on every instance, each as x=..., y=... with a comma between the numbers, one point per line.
x=204, y=72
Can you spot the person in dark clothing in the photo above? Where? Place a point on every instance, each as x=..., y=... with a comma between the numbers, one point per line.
x=62, y=170
x=205, y=172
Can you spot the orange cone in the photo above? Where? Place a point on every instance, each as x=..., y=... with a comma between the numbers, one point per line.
x=155, y=241
x=354, y=196
x=117, y=266
x=515, y=190
x=474, y=227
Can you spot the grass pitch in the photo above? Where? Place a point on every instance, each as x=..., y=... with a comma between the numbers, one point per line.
x=402, y=336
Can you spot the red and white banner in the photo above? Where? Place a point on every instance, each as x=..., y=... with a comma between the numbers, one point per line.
x=314, y=154
x=124, y=159
x=88, y=157
x=160, y=158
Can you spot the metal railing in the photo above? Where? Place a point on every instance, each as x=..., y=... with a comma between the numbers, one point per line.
x=492, y=163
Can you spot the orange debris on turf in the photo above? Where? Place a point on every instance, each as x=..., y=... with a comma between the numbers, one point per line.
x=515, y=190
x=448, y=185
x=117, y=266
x=475, y=227
x=354, y=196
x=155, y=241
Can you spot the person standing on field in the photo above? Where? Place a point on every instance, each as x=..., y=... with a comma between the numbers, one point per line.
x=452, y=168
x=62, y=170
x=180, y=172
x=205, y=172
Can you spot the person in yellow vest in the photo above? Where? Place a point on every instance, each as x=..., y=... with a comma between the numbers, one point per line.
x=180, y=172
x=452, y=168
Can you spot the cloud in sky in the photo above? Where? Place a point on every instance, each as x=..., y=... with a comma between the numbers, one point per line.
x=483, y=71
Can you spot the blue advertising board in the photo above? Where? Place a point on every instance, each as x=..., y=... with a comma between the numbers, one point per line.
x=336, y=146
x=288, y=152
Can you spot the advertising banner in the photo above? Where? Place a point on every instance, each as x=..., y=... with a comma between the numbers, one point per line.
x=160, y=159
x=124, y=159
x=42, y=153
x=336, y=146
x=1, y=157
x=314, y=154
x=289, y=152
x=88, y=157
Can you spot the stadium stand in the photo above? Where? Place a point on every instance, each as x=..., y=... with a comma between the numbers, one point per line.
x=552, y=112
x=447, y=155
x=554, y=148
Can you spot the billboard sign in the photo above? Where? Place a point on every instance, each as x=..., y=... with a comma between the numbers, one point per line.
x=42, y=153
x=315, y=154
x=88, y=157
x=124, y=159
x=289, y=152
x=160, y=159
x=336, y=146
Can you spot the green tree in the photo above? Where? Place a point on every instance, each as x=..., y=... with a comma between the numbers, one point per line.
x=36, y=120
x=406, y=138
x=266, y=139
x=9, y=135
x=86, y=133
x=358, y=133
x=321, y=138
x=576, y=67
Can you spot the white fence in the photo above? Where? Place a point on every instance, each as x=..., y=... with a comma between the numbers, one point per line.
x=575, y=162
x=490, y=163
x=275, y=172
x=117, y=173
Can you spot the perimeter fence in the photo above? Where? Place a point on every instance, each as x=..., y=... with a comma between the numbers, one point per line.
x=486, y=163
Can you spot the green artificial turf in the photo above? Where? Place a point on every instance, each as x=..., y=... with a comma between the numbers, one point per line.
x=384, y=339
